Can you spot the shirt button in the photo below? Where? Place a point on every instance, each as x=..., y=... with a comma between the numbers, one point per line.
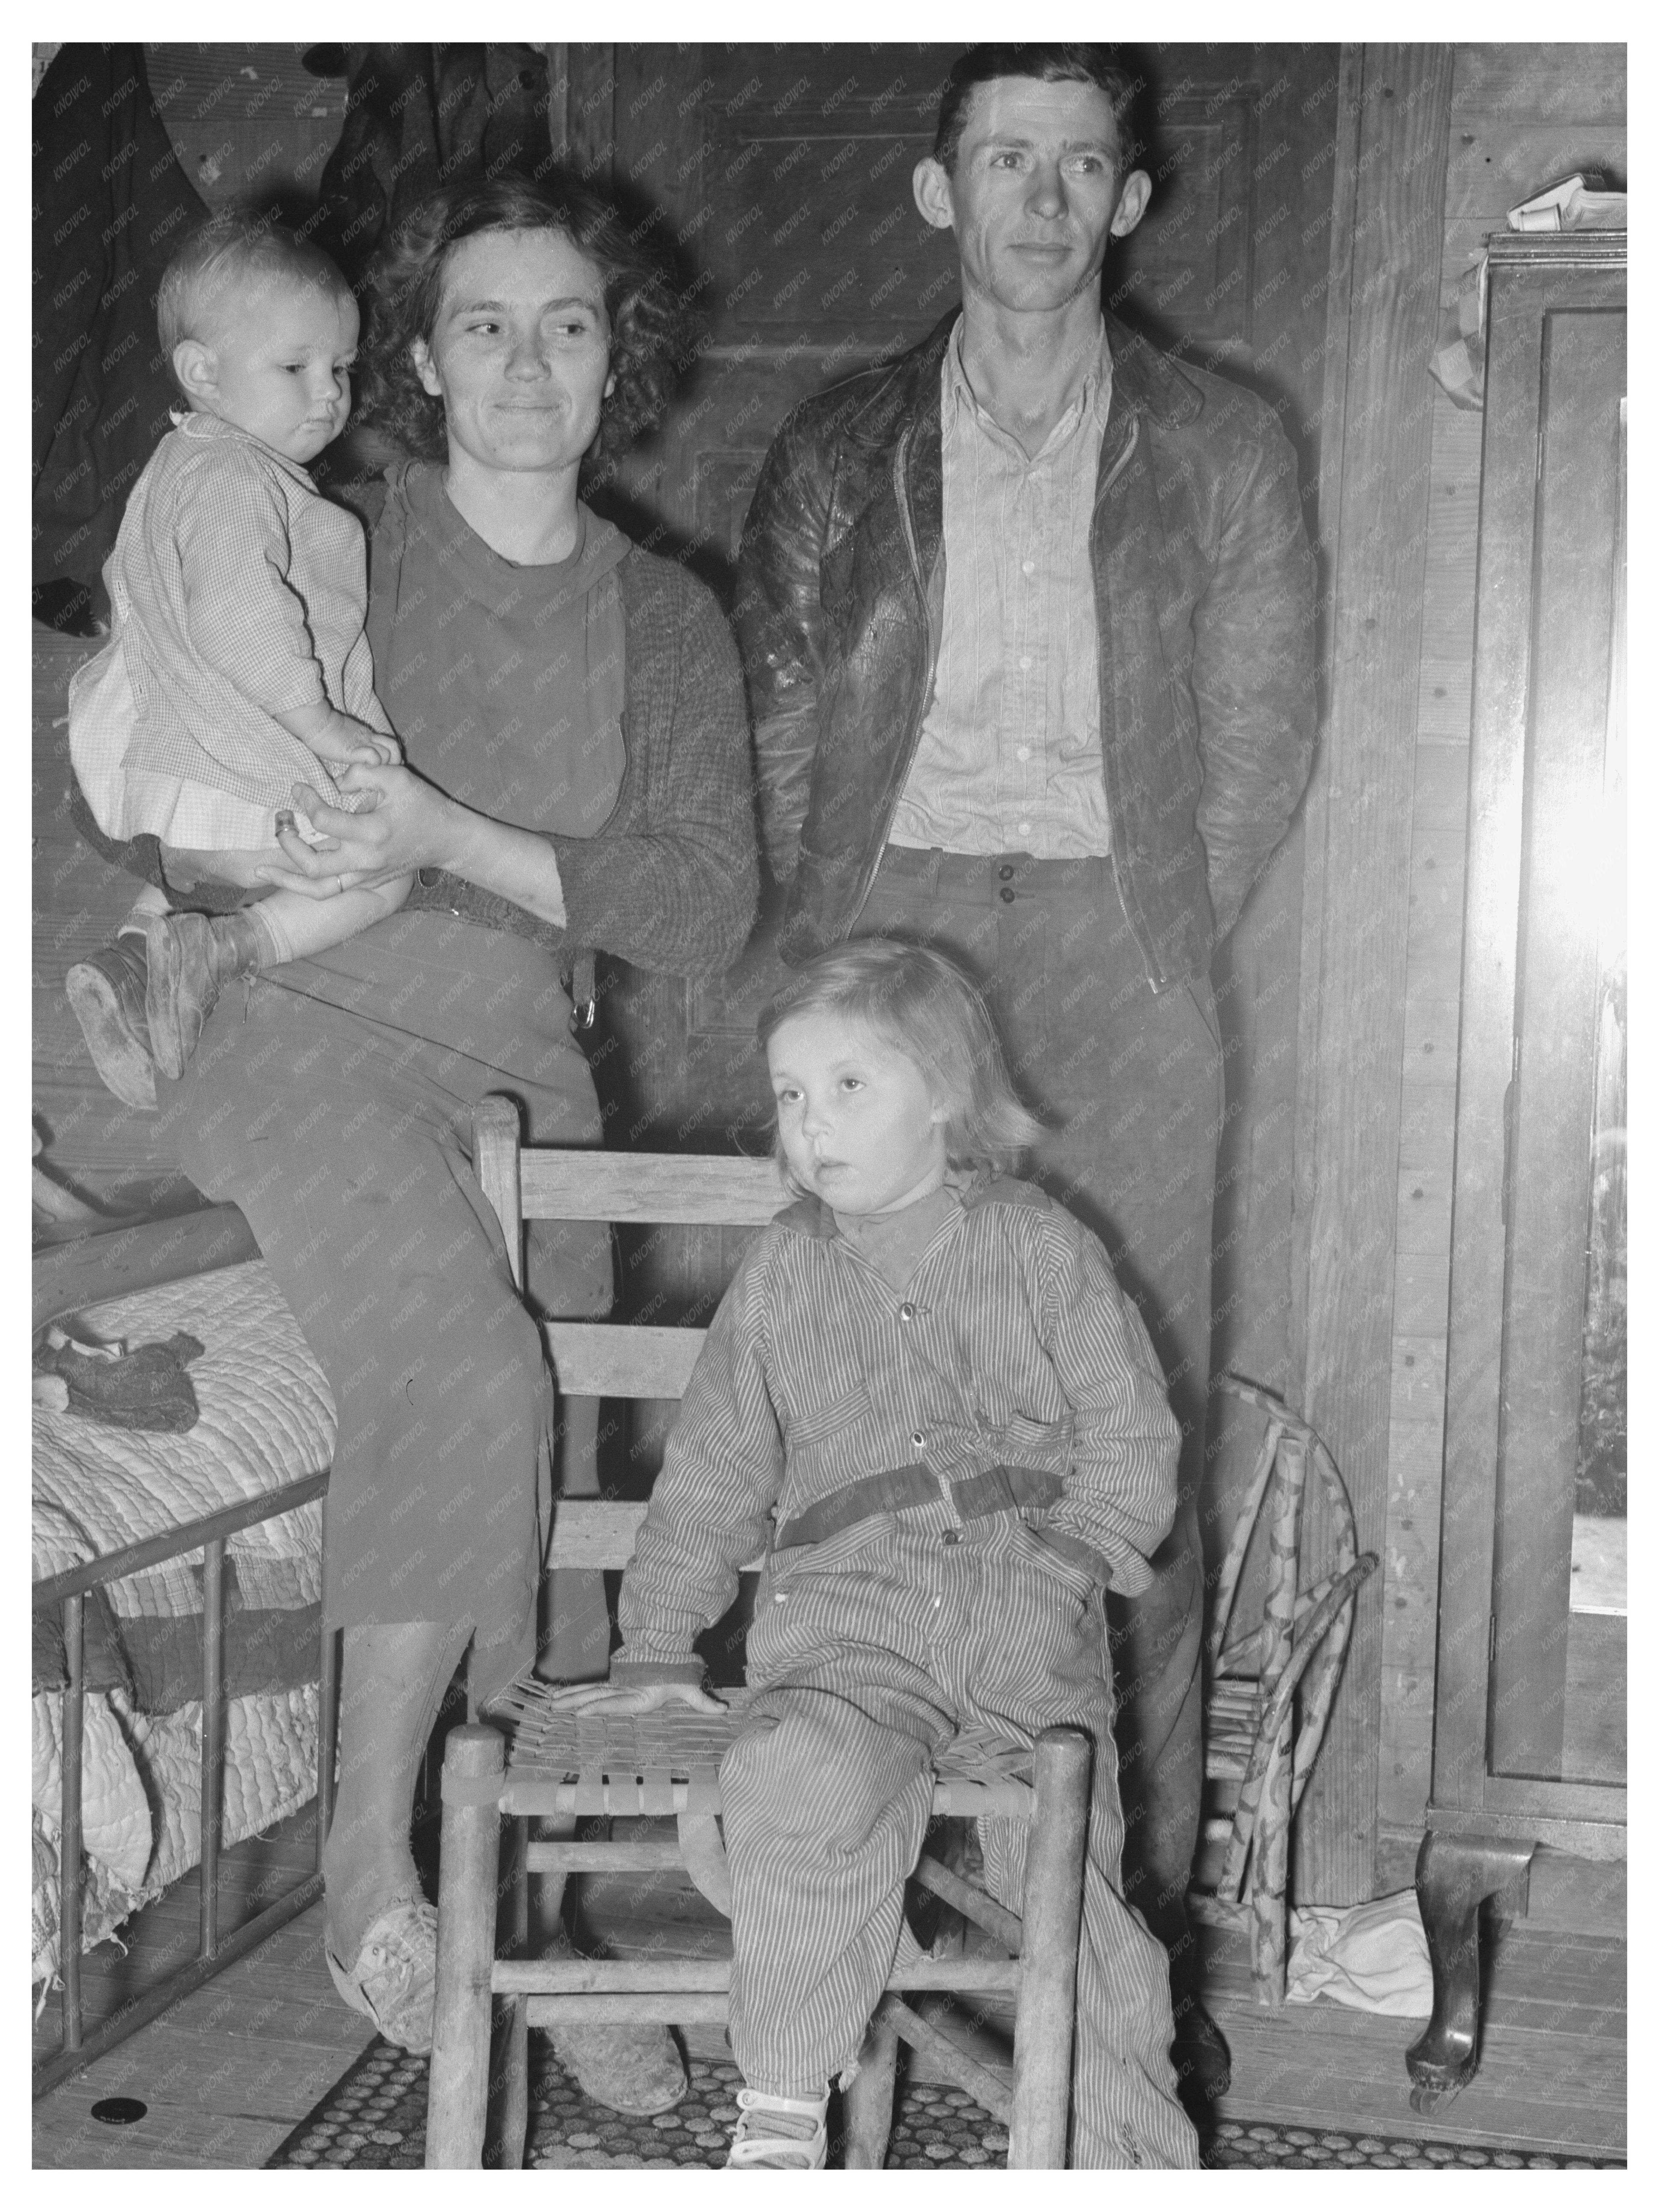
x=907, y=1311
x=949, y=1535
x=1026, y=660
x=1022, y=752
x=917, y=1439
x=1028, y=567
x=1024, y=829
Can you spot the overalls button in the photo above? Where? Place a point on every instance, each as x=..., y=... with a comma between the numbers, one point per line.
x=917, y=1439
x=907, y=1311
x=949, y=1535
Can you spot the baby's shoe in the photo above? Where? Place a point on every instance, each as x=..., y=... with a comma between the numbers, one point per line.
x=786, y=2134
x=191, y=956
x=107, y=996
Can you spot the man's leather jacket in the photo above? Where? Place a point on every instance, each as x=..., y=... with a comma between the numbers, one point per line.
x=1204, y=595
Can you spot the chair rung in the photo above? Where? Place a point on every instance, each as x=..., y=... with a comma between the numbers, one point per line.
x=659, y=1976
x=565, y=1977
x=984, y=1912
x=598, y=1795
x=643, y=1855
x=993, y=2089
x=684, y=2010
x=525, y=1793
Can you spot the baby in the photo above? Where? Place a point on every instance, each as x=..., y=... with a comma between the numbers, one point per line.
x=925, y=1396
x=237, y=664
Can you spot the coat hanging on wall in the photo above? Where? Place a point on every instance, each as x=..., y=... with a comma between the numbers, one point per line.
x=110, y=204
x=420, y=116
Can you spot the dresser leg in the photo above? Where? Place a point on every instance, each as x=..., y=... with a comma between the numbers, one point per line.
x=1456, y=1875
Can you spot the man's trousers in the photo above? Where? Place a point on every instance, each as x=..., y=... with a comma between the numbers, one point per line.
x=1130, y=1085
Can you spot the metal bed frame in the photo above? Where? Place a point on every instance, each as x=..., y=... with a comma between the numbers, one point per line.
x=68, y=1277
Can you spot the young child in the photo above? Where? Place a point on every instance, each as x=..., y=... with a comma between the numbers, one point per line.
x=925, y=1374
x=237, y=664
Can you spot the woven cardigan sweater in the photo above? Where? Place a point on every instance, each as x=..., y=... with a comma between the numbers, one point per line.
x=670, y=883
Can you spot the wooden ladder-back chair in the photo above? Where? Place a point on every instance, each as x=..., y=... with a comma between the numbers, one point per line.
x=1250, y=1733
x=666, y=1763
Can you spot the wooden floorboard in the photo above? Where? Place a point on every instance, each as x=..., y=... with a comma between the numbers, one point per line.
x=228, y=2073
x=1552, y=2074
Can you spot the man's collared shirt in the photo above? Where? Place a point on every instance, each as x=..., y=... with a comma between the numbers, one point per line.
x=1008, y=759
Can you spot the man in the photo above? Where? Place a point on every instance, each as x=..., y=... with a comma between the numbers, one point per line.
x=1028, y=622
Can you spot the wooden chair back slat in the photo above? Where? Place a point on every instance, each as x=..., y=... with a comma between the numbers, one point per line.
x=594, y=1532
x=600, y=1532
x=613, y=1359
x=606, y=1359
x=657, y=1187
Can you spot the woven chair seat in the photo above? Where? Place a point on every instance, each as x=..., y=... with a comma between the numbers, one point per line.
x=667, y=1761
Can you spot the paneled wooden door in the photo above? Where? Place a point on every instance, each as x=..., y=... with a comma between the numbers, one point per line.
x=778, y=179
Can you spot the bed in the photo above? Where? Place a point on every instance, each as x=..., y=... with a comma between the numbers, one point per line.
x=236, y=1501
x=143, y=1272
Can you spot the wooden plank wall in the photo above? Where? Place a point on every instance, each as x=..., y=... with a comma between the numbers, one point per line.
x=1354, y=939
x=1522, y=117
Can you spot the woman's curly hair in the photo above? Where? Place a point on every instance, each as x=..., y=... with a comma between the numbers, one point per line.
x=648, y=320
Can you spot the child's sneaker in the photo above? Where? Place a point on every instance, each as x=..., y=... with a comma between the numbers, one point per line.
x=107, y=996
x=783, y=2133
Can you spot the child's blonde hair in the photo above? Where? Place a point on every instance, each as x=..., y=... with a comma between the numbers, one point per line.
x=237, y=247
x=922, y=1006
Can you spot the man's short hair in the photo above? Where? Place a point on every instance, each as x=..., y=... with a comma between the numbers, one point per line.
x=1095, y=65
x=233, y=250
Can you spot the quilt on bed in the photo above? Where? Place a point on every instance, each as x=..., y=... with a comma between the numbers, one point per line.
x=266, y=1418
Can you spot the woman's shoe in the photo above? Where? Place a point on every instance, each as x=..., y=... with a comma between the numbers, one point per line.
x=628, y=2070
x=783, y=2134
x=394, y=1981
x=637, y=2070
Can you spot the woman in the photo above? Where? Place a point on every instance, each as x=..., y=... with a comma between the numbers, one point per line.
x=571, y=711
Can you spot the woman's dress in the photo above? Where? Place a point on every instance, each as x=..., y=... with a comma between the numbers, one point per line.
x=597, y=700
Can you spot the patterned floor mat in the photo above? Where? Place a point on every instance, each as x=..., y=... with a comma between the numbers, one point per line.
x=375, y=2117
